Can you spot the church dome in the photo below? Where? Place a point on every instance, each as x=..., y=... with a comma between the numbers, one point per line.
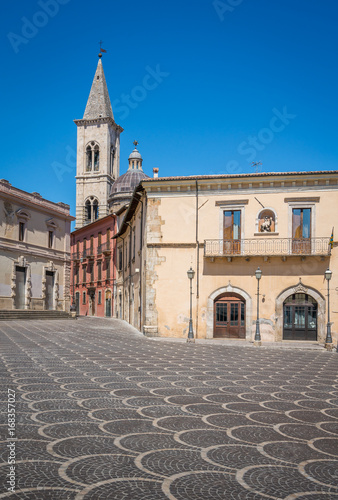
x=122, y=189
x=135, y=155
x=127, y=182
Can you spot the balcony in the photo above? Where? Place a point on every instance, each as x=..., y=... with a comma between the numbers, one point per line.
x=267, y=247
x=104, y=248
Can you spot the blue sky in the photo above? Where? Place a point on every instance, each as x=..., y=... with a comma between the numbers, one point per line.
x=237, y=81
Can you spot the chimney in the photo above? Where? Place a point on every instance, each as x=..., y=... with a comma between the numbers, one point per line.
x=155, y=172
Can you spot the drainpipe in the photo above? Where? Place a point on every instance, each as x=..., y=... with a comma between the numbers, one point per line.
x=129, y=286
x=141, y=262
x=197, y=264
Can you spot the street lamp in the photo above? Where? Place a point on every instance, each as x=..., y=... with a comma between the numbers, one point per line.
x=258, y=339
x=191, y=274
x=328, y=276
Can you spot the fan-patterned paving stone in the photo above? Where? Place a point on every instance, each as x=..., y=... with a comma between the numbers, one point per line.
x=204, y=485
x=278, y=480
x=324, y=471
x=102, y=467
x=180, y=423
x=78, y=446
x=300, y=431
x=144, y=442
x=140, y=489
x=226, y=420
x=162, y=412
x=55, y=404
x=252, y=434
x=128, y=426
x=327, y=445
x=158, y=411
x=234, y=456
x=66, y=429
x=291, y=452
x=204, y=438
x=168, y=462
x=330, y=427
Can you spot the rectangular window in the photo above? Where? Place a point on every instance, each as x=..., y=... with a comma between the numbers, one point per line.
x=92, y=245
x=232, y=232
x=221, y=312
x=99, y=243
x=84, y=248
x=134, y=243
x=107, y=269
x=108, y=239
x=91, y=272
x=83, y=297
x=21, y=231
x=84, y=274
x=301, y=230
x=50, y=239
x=78, y=249
x=99, y=297
x=77, y=272
x=120, y=259
x=99, y=270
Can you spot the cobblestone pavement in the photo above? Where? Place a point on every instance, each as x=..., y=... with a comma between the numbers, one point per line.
x=105, y=413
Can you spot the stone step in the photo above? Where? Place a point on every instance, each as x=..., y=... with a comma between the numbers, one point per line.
x=6, y=315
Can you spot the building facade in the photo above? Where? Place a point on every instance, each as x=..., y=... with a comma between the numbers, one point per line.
x=93, y=267
x=225, y=227
x=35, y=251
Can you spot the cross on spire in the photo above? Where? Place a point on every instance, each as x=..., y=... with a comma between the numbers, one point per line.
x=135, y=143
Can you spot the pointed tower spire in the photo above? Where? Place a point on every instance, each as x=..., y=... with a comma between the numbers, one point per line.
x=98, y=104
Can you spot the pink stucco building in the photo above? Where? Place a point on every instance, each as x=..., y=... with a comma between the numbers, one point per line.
x=93, y=267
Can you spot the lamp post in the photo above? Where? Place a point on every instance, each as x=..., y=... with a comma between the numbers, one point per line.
x=258, y=340
x=191, y=274
x=328, y=340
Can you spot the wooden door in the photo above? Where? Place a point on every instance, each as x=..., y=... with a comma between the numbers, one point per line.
x=229, y=317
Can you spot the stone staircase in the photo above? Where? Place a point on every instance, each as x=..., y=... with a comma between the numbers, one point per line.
x=23, y=314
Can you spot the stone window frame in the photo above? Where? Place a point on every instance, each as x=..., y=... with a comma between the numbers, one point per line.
x=91, y=148
x=236, y=205
x=23, y=216
x=90, y=202
x=51, y=227
x=302, y=204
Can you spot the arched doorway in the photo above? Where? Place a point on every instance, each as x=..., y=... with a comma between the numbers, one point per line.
x=300, y=317
x=229, y=316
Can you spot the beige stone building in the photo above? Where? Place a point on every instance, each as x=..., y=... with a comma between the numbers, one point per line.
x=34, y=251
x=225, y=227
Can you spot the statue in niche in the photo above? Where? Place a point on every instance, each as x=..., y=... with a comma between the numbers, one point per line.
x=266, y=225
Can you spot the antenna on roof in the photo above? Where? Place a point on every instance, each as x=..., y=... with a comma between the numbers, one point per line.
x=257, y=166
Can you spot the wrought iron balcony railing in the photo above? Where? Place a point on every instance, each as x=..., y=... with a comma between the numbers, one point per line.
x=267, y=247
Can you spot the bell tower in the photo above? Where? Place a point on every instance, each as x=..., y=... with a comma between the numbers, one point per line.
x=98, y=153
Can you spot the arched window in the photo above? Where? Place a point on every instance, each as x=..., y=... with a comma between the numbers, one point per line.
x=266, y=221
x=91, y=211
x=96, y=158
x=88, y=159
x=92, y=157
